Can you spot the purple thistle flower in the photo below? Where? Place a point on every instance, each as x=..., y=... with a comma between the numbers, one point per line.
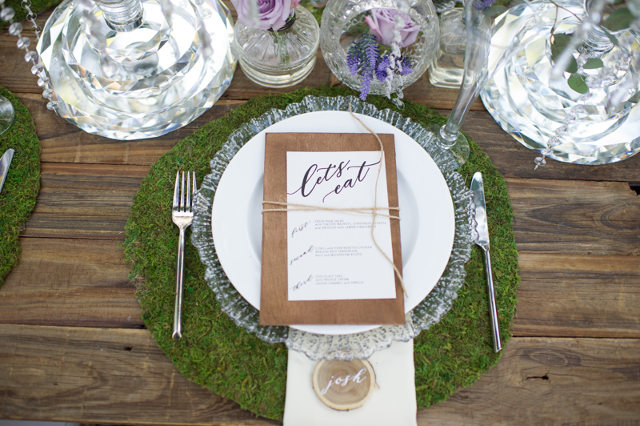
x=406, y=66
x=481, y=5
x=383, y=66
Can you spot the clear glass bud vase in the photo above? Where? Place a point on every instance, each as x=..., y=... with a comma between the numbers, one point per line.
x=346, y=24
x=133, y=69
x=279, y=58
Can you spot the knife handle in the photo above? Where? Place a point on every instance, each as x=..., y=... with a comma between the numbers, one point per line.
x=495, y=327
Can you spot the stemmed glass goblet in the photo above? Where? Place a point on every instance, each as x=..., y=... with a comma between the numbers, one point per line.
x=478, y=68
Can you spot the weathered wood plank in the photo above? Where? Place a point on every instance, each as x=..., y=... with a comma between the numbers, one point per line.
x=102, y=376
x=84, y=201
x=115, y=375
x=67, y=282
x=551, y=381
x=63, y=142
x=572, y=295
x=513, y=159
x=70, y=282
x=589, y=218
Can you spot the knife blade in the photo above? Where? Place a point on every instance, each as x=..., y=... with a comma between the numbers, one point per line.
x=5, y=162
x=481, y=238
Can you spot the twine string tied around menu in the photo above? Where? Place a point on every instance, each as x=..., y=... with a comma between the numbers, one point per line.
x=375, y=211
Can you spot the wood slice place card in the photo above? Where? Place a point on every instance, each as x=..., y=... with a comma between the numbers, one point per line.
x=324, y=261
x=343, y=385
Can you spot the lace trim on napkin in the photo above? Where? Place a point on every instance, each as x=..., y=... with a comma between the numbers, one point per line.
x=358, y=345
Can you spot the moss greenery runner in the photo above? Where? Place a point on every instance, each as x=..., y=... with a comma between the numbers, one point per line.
x=231, y=362
x=18, y=196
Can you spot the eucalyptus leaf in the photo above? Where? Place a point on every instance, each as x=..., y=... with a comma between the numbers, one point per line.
x=559, y=43
x=593, y=63
x=495, y=10
x=619, y=19
x=577, y=83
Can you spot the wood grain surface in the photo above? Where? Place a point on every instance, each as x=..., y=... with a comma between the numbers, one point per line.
x=74, y=348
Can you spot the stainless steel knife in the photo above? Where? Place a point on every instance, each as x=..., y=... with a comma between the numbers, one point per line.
x=5, y=162
x=482, y=239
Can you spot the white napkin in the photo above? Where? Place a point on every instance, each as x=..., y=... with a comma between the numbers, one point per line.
x=393, y=402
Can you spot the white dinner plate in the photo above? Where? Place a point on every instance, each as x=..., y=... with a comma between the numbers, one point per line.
x=427, y=221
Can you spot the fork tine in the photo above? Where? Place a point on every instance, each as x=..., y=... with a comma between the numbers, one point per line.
x=176, y=191
x=188, y=192
x=195, y=187
x=182, y=191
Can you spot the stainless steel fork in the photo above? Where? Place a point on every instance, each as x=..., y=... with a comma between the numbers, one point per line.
x=182, y=215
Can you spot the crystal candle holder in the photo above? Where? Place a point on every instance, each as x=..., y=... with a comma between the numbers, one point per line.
x=132, y=69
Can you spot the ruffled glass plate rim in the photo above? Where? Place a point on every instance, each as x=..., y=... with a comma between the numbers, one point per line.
x=358, y=345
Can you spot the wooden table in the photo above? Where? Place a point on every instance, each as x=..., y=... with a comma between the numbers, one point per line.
x=73, y=345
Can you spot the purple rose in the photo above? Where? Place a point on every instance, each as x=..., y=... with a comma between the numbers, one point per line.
x=271, y=13
x=382, y=23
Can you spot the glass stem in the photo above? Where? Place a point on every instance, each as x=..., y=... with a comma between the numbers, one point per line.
x=475, y=72
x=121, y=15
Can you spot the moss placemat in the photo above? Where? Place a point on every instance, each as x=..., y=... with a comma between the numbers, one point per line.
x=232, y=362
x=18, y=197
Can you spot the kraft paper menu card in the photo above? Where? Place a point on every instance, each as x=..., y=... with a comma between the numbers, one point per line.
x=320, y=264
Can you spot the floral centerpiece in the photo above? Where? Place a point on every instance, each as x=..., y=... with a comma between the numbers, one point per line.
x=379, y=47
x=275, y=41
x=377, y=54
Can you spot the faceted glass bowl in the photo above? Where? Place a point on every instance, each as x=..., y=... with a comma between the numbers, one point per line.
x=145, y=82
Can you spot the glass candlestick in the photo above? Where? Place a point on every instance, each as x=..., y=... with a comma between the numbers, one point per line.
x=133, y=69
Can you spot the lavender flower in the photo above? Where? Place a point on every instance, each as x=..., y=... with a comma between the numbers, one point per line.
x=364, y=59
x=406, y=66
x=481, y=5
x=383, y=66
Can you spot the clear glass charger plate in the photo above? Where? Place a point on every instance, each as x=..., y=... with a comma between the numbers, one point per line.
x=335, y=346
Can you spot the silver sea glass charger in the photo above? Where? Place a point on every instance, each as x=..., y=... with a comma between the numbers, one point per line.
x=132, y=69
x=7, y=114
x=358, y=345
x=597, y=122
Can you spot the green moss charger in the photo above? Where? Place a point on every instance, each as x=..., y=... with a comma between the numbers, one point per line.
x=217, y=354
x=18, y=196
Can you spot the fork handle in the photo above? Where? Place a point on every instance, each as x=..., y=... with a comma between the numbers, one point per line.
x=177, y=312
x=495, y=327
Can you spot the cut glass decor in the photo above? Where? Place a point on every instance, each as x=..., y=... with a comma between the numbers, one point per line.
x=358, y=345
x=278, y=57
x=133, y=69
x=571, y=89
x=379, y=46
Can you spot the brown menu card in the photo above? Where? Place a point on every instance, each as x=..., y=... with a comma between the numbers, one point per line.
x=278, y=306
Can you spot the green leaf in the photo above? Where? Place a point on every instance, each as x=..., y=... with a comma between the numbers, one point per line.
x=495, y=10
x=593, y=63
x=577, y=83
x=619, y=19
x=559, y=42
